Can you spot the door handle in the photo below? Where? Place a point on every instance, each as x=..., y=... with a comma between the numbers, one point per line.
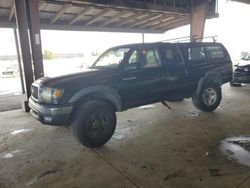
x=172, y=78
x=129, y=78
x=162, y=74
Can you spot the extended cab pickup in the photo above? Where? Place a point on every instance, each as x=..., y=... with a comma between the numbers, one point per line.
x=128, y=76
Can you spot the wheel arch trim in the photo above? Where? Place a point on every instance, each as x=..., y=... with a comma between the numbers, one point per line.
x=213, y=76
x=107, y=92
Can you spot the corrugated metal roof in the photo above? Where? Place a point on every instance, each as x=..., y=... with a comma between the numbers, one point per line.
x=154, y=16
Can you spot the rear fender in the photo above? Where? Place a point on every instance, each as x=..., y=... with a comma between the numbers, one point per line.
x=210, y=77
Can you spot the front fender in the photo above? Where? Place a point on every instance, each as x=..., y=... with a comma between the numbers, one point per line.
x=107, y=92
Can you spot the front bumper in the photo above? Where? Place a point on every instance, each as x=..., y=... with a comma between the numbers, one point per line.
x=57, y=116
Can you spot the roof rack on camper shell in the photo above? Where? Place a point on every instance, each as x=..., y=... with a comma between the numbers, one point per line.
x=191, y=38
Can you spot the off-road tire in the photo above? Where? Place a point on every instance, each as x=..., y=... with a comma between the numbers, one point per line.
x=199, y=98
x=93, y=116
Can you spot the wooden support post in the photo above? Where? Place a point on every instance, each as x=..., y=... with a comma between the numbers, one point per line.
x=22, y=25
x=198, y=19
x=28, y=24
x=35, y=36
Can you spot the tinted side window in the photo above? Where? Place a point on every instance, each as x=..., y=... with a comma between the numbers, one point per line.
x=196, y=53
x=133, y=58
x=172, y=55
x=169, y=54
x=150, y=58
x=132, y=61
x=214, y=52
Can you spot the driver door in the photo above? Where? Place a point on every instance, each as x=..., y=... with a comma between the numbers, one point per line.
x=142, y=79
x=128, y=81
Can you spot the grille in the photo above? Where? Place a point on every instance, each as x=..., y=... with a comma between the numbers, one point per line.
x=34, y=92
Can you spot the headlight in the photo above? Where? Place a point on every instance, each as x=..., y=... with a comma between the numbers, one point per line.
x=51, y=95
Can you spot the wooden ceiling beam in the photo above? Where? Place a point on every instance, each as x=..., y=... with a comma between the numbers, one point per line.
x=154, y=22
x=152, y=6
x=158, y=21
x=114, y=18
x=164, y=23
x=167, y=23
x=42, y=5
x=132, y=18
x=146, y=20
x=97, y=17
x=12, y=10
x=81, y=14
x=79, y=27
x=128, y=19
x=175, y=25
x=59, y=14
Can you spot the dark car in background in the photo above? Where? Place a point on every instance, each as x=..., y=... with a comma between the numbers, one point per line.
x=241, y=73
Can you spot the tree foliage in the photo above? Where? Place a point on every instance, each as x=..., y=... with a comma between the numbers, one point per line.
x=95, y=53
x=48, y=55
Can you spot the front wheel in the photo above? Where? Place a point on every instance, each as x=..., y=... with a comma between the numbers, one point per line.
x=208, y=99
x=94, y=123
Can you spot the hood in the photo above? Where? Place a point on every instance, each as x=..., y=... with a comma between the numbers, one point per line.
x=80, y=79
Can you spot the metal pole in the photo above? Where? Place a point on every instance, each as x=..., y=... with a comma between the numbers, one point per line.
x=19, y=60
x=143, y=38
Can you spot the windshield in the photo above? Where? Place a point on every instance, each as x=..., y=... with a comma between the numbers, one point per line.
x=111, y=58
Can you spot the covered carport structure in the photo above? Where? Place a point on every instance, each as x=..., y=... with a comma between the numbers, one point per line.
x=140, y=16
x=152, y=146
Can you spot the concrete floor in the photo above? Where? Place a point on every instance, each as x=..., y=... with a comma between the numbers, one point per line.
x=152, y=147
x=10, y=102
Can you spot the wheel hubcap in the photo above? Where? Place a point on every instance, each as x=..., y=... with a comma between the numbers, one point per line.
x=96, y=124
x=209, y=96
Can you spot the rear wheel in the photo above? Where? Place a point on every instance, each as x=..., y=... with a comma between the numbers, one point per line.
x=94, y=123
x=208, y=99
